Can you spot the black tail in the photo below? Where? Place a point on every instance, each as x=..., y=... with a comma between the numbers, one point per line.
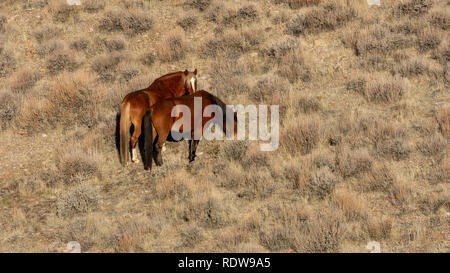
x=148, y=140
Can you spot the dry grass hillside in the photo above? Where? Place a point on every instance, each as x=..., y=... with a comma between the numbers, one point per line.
x=364, y=126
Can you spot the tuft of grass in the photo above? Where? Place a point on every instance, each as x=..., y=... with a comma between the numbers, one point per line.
x=80, y=44
x=413, y=7
x=443, y=119
x=427, y=40
x=326, y=17
x=293, y=67
x=129, y=22
x=395, y=149
x=381, y=178
x=47, y=32
x=76, y=167
x=7, y=62
x=269, y=89
x=188, y=22
x=173, y=48
x=24, y=80
x=379, y=90
x=238, y=17
x=433, y=145
x=276, y=238
x=201, y=5
x=8, y=109
x=322, y=183
x=105, y=65
x=81, y=199
x=62, y=12
x=440, y=19
x=323, y=233
x=350, y=203
x=61, y=61
x=354, y=162
x=378, y=229
x=191, y=236
x=297, y=4
x=308, y=105
x=93, y=6
x=48, y=48
x=301, y=137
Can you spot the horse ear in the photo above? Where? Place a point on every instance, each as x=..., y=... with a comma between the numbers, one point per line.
x=186, y=72
x=195, y=72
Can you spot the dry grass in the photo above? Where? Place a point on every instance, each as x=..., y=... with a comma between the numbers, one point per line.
x=364, y=126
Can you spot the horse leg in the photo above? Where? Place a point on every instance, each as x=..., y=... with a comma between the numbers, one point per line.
x=192, y=148
x=158, y=146
x=134, y=139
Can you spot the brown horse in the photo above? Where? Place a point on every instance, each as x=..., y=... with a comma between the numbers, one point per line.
x=135, y=104
x=158, y=122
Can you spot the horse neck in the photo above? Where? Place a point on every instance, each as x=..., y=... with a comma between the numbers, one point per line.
x=173, y=83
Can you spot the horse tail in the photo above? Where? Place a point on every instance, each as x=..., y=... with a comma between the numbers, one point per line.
x=148, y=140
x=125, y=133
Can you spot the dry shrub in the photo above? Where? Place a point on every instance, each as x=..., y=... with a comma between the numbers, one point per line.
x=270, y=90
x=229, y=77
x=8, y=108
x=297, y=4
x=378, y=229
x=49, y=47
x=322, y=183
x=74, y=100
x=128, y=73
x=381, y=178
x=241, y=16
x=323, y=233
x=328, y=16
x=47, y=32
x=443, y=119
x=233, y=44
x=129, y=22
x=148, y=58
x=24, y=80
x=378, y=89
x=439, y=173
x=76, y=166
x=400, y=192
x=434, y=145
x=93, y=6
x=111, y=43
x=354, y=162
x=82, y=199
x=201, y=5
x=208, y=212
x=7, y=62
x=106, y=65
x=187, y=22
x=235, y=150
x=80, y=44
x=62, y=61
x=293, y=67
x=297, y=176
x=395, y=149
x=173, y=48
x=3, y=21
x=191, y=236
x=428, y=39
x=350, y=203
x=301, y=137
x=413, y=67
x=276, y=238
x=413, y=7
x=280, y=48
x=308, y=105
x=62, y=11
x=440, y=19
x=378, y=39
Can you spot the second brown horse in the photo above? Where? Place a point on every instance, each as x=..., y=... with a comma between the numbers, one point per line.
x=135, y=104
x=158, y=122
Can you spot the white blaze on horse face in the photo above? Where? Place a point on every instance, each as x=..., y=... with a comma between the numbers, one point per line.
x=193, y=84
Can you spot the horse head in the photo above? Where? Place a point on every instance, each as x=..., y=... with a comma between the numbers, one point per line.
x=190, y=81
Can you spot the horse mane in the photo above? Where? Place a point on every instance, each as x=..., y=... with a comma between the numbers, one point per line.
x=169, y=76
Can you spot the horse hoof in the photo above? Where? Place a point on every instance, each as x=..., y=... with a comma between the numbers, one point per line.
x=136, y=161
